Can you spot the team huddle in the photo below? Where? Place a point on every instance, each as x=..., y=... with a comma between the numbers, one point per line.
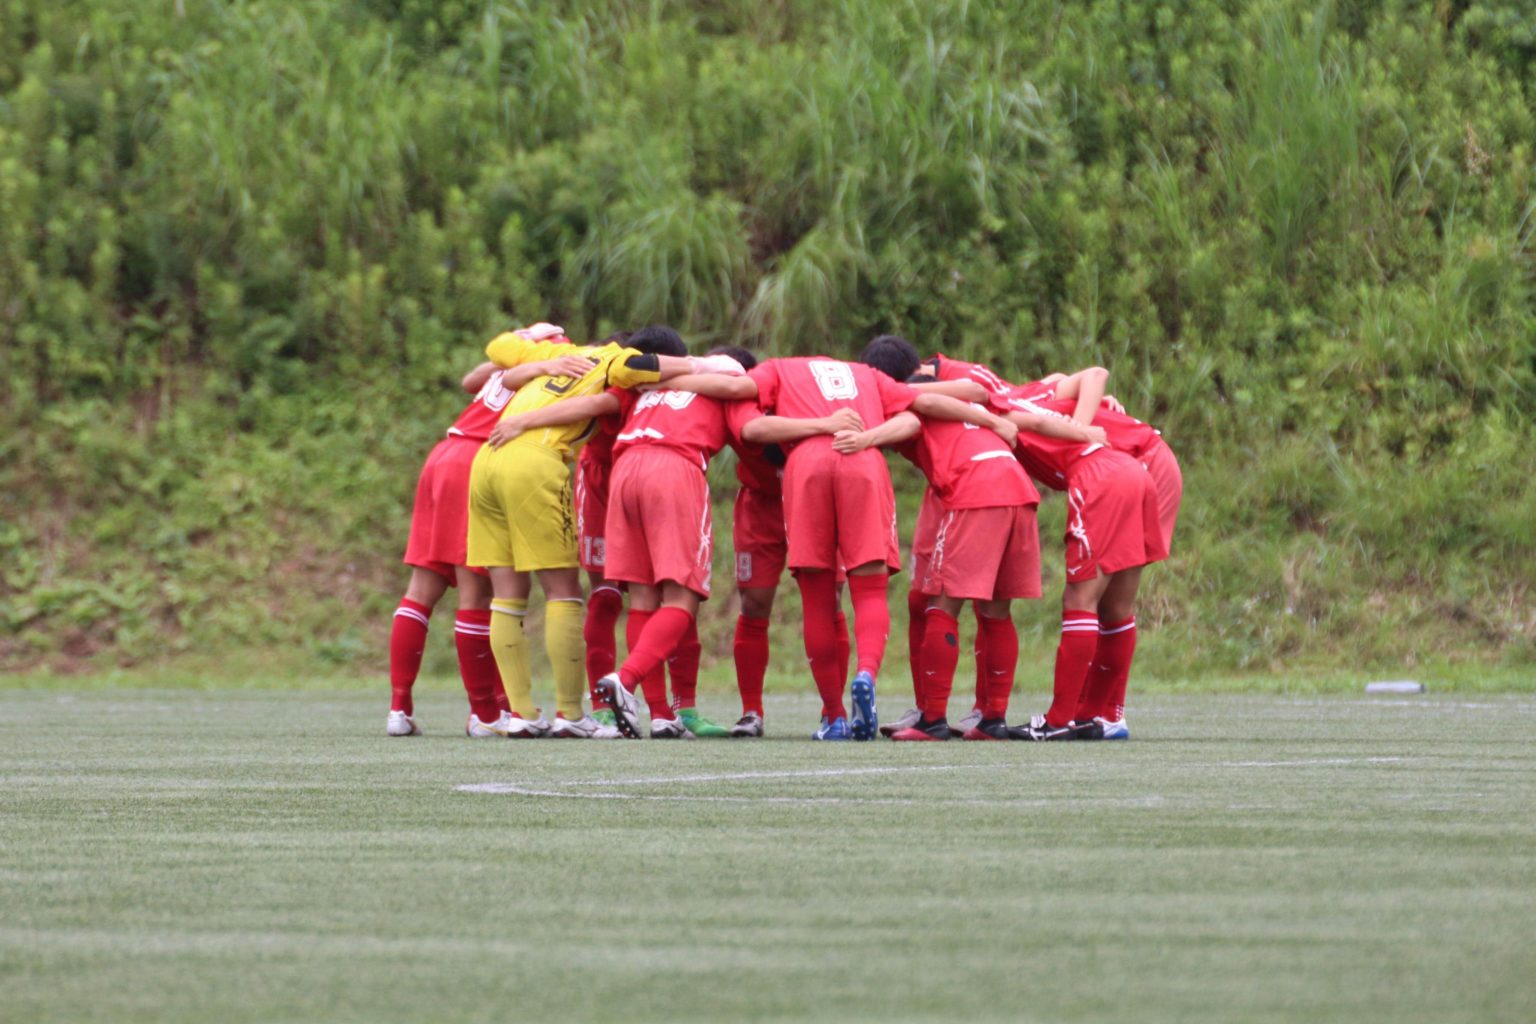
x=499, y=506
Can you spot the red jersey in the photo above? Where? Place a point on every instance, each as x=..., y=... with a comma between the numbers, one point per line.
x=754, y=469
x=946, y=368
x=1126, y=433
x=809, y=388
x=597, y=454
x=681, y=420
x=1050, y=460
x=968, y=466
x=479, y=417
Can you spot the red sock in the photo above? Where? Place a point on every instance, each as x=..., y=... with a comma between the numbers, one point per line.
x=654, y=683
x=941, y=653
x=603, y=610
x=1002, y=646
x=477, y=666
x=917, y=607
x=871, y=620
x=683, y=666
x=818, y=597
x=1074, y=655
x=751, y=651
x=840, y=624
x=1104, y=694
x=657, y=639
x=981, y=658
x=407, y=639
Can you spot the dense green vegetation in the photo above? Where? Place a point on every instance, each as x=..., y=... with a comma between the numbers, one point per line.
x=246, y=248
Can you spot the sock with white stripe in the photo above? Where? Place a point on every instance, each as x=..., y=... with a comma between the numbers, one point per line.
x=477, y=665
x=1074, y=655
x=407, y=639
x=1104, y=696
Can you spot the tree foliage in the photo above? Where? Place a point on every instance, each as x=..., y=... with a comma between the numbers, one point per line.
x=245, y=249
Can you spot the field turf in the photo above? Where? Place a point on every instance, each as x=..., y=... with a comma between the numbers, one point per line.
x=250, y=856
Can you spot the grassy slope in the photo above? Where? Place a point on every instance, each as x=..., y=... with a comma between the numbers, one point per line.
x=259, y=857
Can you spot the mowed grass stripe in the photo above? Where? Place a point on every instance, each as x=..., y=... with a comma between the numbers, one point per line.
x=274, y=857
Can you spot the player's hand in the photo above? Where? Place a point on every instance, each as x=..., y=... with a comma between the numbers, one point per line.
x=847, y=442
x=1113, y=404
x=1008, y=431
x=843, y=420
x=507, y=430
x=568, y=366
x=1096, y=435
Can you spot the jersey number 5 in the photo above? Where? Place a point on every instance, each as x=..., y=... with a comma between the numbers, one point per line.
x=835, y=380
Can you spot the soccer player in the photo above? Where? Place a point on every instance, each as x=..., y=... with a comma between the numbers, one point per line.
x=436, y=548
x=1104, y=693
x=659, y=526
x=1113, y=531
x=840, y=511
x=521, y=516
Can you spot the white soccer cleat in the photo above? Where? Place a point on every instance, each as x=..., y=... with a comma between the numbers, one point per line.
x=584, y=728
x=669, y=729
x=971, y=720
x=401, y=724
x=626, y=710
x=906, y=721
x=478, y=730
x=520, y=728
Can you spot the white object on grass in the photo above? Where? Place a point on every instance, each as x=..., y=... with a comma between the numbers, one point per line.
x=1395, y=686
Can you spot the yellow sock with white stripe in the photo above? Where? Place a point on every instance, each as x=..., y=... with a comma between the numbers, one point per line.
x=510, y=648
x=563, y=621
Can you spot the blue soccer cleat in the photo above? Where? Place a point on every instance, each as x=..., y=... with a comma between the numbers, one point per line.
x=1116, y=730
x=866, y=723
x=831, y=729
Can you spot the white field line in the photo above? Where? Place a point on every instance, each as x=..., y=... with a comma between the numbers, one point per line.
x=596, y=789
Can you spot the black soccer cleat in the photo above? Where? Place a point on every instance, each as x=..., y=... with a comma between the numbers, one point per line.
x=987, y=729
x=1040, y=731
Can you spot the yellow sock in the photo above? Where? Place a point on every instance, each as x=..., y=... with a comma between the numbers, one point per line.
x=510, y=648
x=567, y=654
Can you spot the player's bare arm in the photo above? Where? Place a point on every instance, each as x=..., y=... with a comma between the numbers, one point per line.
x=1088, y=387
x=560, y=366
x=711, y=385
x=787, y=429
x=557, y=414
x=962, y=390
x=475, y=379
x=1058, y=426
x=893, y=431
x=942, y=407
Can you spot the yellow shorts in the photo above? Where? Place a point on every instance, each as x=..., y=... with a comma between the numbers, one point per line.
x=520, y=509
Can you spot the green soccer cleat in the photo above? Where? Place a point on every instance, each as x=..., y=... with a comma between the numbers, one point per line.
x=700, y=726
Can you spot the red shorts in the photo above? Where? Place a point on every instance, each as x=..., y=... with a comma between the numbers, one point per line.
x=440, y=517
x=757, y=532
x=984, y=553
x=839, y=510
x=591, y=500
x=659, y=520
x=1168, y=481
x=1112, y=519
x=928, y=517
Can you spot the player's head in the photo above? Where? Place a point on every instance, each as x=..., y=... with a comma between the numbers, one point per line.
x=541, y=332
x=658, y=340
x=616, y=338
x=892, y=355
x=922, y=378
x=736, y=352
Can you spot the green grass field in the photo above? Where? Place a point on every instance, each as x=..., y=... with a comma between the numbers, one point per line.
x=259, y=856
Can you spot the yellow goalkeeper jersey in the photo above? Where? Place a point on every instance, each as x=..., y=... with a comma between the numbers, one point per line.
x=612, y=370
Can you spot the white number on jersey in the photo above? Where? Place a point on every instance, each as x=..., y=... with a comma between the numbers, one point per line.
x=671, y=399
x=834, y=379
x=492, y=395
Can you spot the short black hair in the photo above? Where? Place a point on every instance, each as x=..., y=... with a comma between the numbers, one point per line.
x=892, y=355
x=658, y=340
x=922, y=378
x=616, y=338
x=736, y=352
